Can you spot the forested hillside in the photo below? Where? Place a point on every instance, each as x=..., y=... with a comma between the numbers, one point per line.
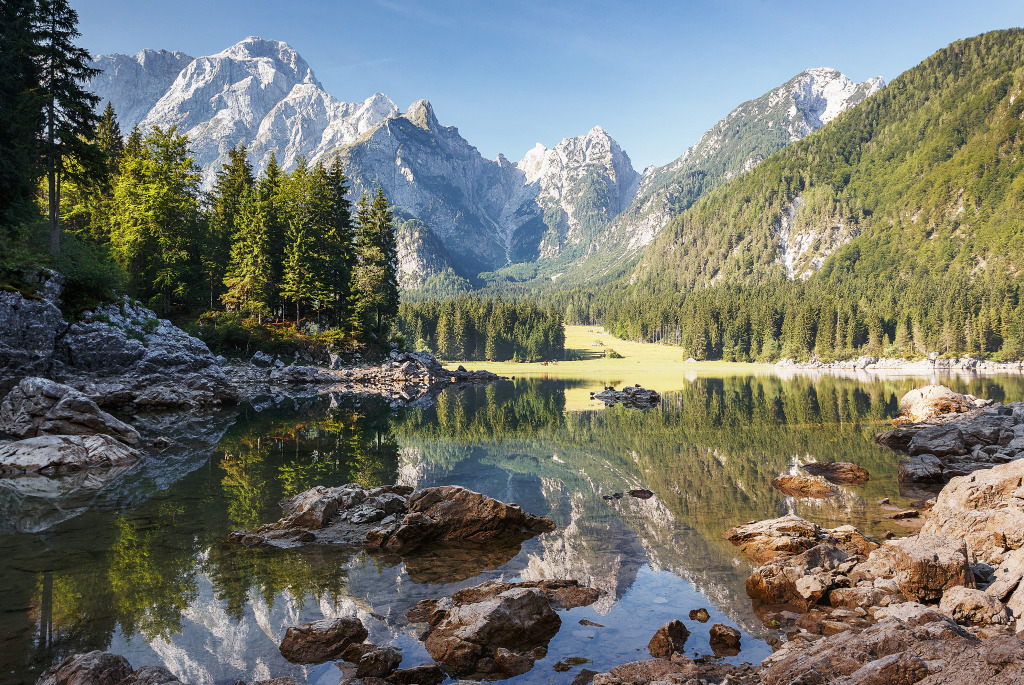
x=894, y=229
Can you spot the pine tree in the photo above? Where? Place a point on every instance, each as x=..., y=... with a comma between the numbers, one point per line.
x=375, y=278
x=338, y=244
x=249, y=278
x=20, y=112
x=234, y=179
x=68, y=109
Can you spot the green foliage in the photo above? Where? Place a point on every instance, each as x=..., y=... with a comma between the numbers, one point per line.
x=375, y=277
x=480, y=329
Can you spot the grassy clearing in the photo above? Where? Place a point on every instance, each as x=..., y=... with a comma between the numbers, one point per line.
x=659, y=367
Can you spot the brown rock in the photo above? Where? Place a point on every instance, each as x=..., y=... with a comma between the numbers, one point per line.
x=804, y=486
x=646, y=671
x=670, y=638
x=791, y=580
x=424, y=674
x=840, y=472
x=985, y=509
x=932, y=401
x=323, y=640
x=378, y=662
x=725, y=636
x=763, y=541
x=966, y=605
x=700, y=615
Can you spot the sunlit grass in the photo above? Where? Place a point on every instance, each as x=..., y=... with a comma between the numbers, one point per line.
x=659, y=367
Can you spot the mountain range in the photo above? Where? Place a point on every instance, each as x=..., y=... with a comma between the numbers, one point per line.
x=579, y=208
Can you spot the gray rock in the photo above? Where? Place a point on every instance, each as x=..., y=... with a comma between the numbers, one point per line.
x=37, y=406
x=58, y=453
x=323, y=640
x=921, y=468
x=938, y=440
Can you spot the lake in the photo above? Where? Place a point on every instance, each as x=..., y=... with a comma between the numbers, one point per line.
x=135, y=561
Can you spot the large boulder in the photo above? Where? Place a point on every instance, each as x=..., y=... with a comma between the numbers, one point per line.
x=967, y=605
x=38, y=406
x=920, y=568
x=50, y=454
x=452, y=513
x=985, y=509
x=933, y=401
x=498, y=629
x=323, y=640
x=801, y=580
x=763, y=541
x=944, y=440
x=103, y=668
x=669, y=639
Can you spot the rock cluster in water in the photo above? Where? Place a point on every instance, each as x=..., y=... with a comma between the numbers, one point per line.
x=633, y=396
x=393, y=518
x=944, y=435
x=869, y=363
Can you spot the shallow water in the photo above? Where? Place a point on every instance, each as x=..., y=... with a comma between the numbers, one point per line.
x=134, y=561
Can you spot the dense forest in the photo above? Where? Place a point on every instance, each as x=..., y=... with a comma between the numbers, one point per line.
x=918, y=190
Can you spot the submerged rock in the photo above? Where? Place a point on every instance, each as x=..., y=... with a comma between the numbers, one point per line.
x=725, y=640
x=804, y=486
x=839, y=472
x=38, y=406
x=323, y=640
x=104, y=668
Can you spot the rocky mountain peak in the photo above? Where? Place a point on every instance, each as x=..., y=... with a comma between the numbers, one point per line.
x=272, y=56
x=819, y=95
x=421, y=113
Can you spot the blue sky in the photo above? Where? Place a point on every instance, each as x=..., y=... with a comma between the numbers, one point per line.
x=510, y=74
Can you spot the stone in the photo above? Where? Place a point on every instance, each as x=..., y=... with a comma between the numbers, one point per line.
x=424, y=674
x=647, y=671
x=378, y=662
x=856, y=597
x=701, y=615
x=985, y=509
x=966, y=605
x=933, y=401
x=90, y=668
x=725, y=636
x=53, y=454
x=804, y=486
x=839, y=472
x=921, y=468
x=766, y=540
x=323, y=640
x=944, y=440
x=789, y=580
x=38, y=406
x=927, y=565
x=669, y=639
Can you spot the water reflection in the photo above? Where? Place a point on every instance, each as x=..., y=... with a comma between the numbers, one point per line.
x=140, y=565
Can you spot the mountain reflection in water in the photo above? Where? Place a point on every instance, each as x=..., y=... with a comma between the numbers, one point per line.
x=136, y=563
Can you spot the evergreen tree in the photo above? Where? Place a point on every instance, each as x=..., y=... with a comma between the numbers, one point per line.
x=68, y=107
x=234, y=180
x=375, y=278
x=338, y=244
x=249, y=278
x=20, y=112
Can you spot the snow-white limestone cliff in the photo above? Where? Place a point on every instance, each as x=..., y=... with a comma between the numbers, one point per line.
x=134, y=83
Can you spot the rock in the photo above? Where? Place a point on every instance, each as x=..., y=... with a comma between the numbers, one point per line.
x=701, y=615
x=378, y=662
x=804, y=486
x=669, y=639
x=725, y=638
x=494, y=627
x=766, y=540
x=634, y=396
x=985, y=509
x=90, y=668
x=323, y=640
x=641, y=494
x=37, y=406
x=932, y=401
x=965, y=605
x=104, y=668
x=894, y=652
x=911, y=613
x=922, y=468
x=584, y=677
x=856, y=597
x=922, y=567
x=262, y=359
x=801, y=580
x=453, y=513
x=647, y=671
x=52, y=454
x=942, y=440
x=424, y=674
x=839, y=472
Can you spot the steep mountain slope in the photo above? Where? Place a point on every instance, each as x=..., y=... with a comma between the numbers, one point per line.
x=925, y=175
x=134, y=84
x=582, y=184
x=745, y=137
x=257, y=92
